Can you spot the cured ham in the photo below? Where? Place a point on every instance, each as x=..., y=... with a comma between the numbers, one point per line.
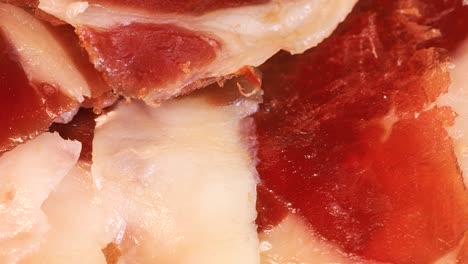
x=359, y=145
x=29, y=173
x=81, y=128
x=138, y=203
x=44, y=76
x=354, y=140
x=159, y=49
x=181, y=181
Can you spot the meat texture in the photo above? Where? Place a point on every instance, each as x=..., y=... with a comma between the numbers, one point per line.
x=44, y=76
x=354, y=141
x=176, y=186
x=159, y=49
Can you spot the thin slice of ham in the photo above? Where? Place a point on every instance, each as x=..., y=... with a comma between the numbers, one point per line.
x=42, y=57
x=352, y=139
x=28, y=174
x=44, y=75
x=179, y=180
x=159, y=49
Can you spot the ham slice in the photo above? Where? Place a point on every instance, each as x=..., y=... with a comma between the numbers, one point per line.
x=361, y=148
x=159, y=49
x=44, y=76
x=355, y=142
x=139, y=203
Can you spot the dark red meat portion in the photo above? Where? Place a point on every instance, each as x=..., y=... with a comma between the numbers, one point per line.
x=101, y=93
x=22, y=3
x=190, y=7
x=81, y=128
x=270, y=208
x=345, y=136
x=138, y=57
x=450, y=17
x=28, y=108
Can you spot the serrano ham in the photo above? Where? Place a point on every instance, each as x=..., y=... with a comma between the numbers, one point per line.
x=352, y=152
x=159, y=49
x=44, y=76
x=362, y=137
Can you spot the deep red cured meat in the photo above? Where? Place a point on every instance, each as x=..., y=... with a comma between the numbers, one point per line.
x=22, y=3
x=28, y=108
x=81, y=128
x=155, y=56
x=191, y=7
x=346, y=137
x=138, y=56
x=101, y=94
x=450, y=17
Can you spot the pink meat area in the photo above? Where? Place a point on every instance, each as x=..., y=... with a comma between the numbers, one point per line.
x=348, y=139
x=28, y=108
x=189, y=7
x=126, y=54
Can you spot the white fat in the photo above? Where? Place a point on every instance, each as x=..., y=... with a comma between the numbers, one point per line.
x=28, y=174
x=456, y=99
x=248, y=35
x=180, y=180
x=293, y=242
x=42, y=57
x=67, y=116
x=77, y=224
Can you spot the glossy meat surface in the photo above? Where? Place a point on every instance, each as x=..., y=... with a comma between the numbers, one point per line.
x=350, y=139
x=45, y=75
x=155, y=55
x=27, y=108
x=137, y=56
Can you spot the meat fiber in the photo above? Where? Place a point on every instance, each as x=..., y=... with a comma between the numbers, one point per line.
x=353, y=140
x=44, y=76
x=159, y=49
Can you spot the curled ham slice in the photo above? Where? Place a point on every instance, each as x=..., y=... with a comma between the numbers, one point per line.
x=44, y=76
x=146, y=49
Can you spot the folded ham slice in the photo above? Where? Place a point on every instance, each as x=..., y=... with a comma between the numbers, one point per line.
x=159, y=49
x=44, y=75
